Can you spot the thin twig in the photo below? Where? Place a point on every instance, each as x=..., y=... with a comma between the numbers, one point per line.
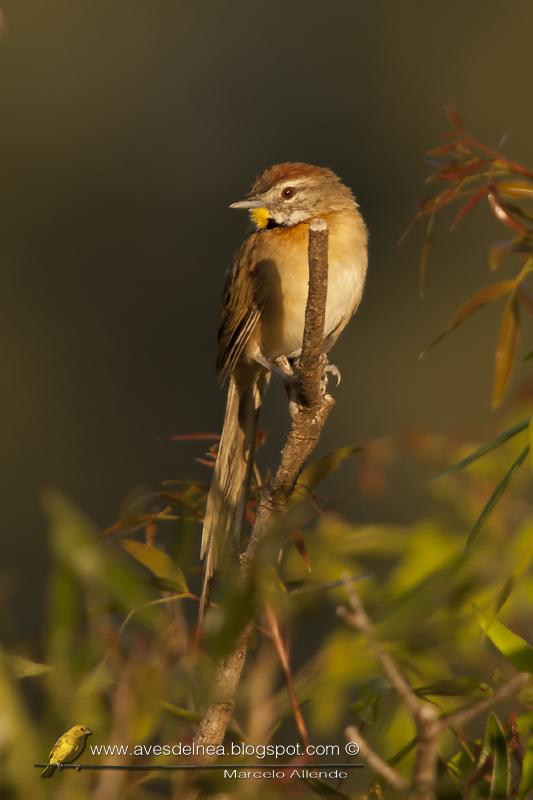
x=374, y=761
x=284, y=659
x=357, y=617
x=464, y=715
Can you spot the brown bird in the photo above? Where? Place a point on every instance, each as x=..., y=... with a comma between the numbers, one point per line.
x=263, y=314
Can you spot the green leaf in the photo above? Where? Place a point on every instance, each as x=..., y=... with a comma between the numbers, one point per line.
x=78, y=547
x=159, y=563
x=512, y=646
x=503, y=437
x=495, y=496
x=501, y=769
x=322, y=467
x=526, y=779
x=505, y=350
x=24, y=668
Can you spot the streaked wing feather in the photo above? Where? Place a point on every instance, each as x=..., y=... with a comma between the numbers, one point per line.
x=240, y=311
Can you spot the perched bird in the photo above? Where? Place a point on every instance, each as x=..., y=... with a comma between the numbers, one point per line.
x=67, y=748
x=262, y=317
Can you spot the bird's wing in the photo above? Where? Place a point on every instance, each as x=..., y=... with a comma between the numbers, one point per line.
x=240, y=309
x=58, y=747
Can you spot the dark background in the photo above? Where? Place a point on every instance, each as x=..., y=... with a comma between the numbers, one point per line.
x=126, y=129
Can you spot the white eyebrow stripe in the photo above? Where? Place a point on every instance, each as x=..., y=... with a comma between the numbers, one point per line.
x=295, y=182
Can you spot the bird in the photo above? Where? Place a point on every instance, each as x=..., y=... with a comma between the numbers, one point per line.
x=262, y=319
x=68, y=747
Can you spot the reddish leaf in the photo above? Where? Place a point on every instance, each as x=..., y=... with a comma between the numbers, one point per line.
x=497, y=251
x=195, y=437
x=134, y=522
x=471, y=203
x=505, y=350
x=299, y=542
x=501, y=213
x=454, y=118
x=206, y=463
x=526, y=300
x=486, y=295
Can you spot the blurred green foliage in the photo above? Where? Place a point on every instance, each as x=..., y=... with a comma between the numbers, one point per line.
x=119, y=651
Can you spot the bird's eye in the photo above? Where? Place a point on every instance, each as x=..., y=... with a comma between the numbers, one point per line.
x=288, y=192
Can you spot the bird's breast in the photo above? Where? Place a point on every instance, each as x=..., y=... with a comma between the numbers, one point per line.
x=281, y=275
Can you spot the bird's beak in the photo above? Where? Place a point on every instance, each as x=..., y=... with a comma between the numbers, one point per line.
x=89, y=732
x=247, y=205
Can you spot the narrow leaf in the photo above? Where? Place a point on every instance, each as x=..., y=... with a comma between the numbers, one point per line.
x=454, y=118
x=24, y=668
x=470, y=204
x=159, y=563
x=320, y=469
x=510, y=644
x=505, y=350
x=500, y=783
x=195, y=437
x=503, y=215
x=498, y=250
x=515, y=188
x=482, y=451
x=526, y=778
x=486, y=295
x=495, y=496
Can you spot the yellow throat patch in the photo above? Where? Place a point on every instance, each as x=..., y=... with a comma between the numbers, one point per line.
x=259, y=217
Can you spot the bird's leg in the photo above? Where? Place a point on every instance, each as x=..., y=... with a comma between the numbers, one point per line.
x=59, y=765
x=279, y=367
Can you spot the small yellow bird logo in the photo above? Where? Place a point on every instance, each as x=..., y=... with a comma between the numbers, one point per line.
x=67, y=748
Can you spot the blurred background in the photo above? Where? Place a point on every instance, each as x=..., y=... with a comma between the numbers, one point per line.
x=127, y=129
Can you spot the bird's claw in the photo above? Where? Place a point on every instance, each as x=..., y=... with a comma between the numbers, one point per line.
x=333, y=370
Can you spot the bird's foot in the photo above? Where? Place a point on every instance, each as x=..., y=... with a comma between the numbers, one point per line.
x=59, y=765
x=281, y=368
x=78, y=767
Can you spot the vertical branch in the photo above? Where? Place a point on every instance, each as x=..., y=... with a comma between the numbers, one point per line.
x=308, y=415
x=312, y=359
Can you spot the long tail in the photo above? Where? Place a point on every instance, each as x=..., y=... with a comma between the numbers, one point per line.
x=49, y=771
x=226, y=501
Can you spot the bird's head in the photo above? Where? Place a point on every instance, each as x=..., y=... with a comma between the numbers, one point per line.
x=80, y=730
x=288, y=194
